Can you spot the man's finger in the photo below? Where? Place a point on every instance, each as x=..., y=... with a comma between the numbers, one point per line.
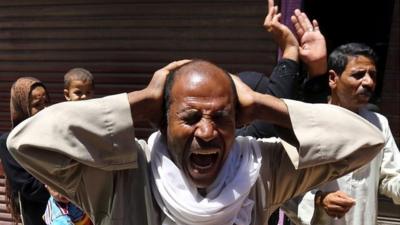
x=296, y=24
x=346, y=200
x=300, y=19
x=270, y=13
x=315, y=24
x=176, y=64
x=270, y=5
x=306, y=21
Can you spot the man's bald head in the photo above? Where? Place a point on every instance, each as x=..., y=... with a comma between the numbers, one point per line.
x=199, y=67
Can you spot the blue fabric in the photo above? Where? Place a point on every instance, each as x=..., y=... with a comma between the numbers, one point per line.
x=62, y=215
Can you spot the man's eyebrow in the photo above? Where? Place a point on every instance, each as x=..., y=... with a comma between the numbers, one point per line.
x=358, y=70
x=223, y=112
x=187, y=109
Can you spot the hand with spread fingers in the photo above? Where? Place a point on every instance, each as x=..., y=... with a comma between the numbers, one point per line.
x=281, y=33
x=312, y=43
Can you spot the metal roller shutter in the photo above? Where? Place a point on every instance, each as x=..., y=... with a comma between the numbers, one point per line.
x=123, y=42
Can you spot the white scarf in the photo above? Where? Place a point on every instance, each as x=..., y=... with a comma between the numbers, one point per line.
x=227, y=199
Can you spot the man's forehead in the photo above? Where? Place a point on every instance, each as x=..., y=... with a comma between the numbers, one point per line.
x=200, y=67
x=200, y=72
x=360, y=61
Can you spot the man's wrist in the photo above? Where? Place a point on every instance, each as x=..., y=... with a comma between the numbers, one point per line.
x=319, y=197
x=317, y=68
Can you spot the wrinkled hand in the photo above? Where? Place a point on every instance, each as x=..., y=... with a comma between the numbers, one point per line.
x=312, y=43
x=336, y=204
x=146, y=104
x=246, y=101
x=281, y=33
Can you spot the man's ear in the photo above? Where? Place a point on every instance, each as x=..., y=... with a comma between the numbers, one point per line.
x=333, y=79
x=66, y=95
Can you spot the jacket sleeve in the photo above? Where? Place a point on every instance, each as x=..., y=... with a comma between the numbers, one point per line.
x=75, y=147
x=284, y=78
x=390, y=167
x=321, y=146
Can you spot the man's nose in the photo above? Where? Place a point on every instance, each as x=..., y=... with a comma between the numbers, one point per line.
x=206, y=130
x=367, y=80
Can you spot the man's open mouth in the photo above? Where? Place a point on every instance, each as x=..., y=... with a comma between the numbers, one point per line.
x=203, y=161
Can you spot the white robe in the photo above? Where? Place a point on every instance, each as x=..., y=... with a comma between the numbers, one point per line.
x=381, y=174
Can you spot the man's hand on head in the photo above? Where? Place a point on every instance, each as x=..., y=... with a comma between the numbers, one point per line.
x=257, y=106
x=146, y=104
x=246, y=101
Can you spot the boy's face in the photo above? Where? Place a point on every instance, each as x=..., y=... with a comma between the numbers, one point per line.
x=78, y=90
x=38, y=100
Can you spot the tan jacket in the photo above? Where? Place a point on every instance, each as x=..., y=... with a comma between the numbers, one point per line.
x=86, y=150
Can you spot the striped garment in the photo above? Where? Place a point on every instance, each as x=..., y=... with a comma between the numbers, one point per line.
x=64, y=214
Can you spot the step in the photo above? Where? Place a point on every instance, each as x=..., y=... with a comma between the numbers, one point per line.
x=5, y=217
x=3, y=208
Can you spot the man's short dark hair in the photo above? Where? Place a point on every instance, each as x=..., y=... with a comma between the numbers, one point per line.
x=338, y=59
x=170, y=82
x=78, y=74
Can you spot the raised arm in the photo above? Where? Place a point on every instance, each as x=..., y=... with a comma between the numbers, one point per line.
x=284, y=76
x=281, y=33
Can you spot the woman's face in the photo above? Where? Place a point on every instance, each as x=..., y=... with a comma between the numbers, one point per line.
x=38, y=100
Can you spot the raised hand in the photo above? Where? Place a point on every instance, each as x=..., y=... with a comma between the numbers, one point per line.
x=312, y=43
x=336, y=204
x=281, y=33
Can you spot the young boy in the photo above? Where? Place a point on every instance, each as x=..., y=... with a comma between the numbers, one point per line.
x=78, y=85
x=60, y=211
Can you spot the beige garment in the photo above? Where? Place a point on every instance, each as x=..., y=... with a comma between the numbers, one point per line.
x=93, y=158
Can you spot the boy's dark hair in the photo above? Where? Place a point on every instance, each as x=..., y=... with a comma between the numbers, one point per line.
x=338, y=59
x=78, y=74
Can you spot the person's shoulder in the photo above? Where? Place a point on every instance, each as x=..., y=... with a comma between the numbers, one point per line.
x=375, y=118
x=378, y=115
x=4, y=136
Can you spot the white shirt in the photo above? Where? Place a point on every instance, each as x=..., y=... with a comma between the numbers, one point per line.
x=381, y=174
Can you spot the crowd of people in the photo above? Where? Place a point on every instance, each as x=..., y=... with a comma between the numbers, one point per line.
x=228, y=150
x=30, y=201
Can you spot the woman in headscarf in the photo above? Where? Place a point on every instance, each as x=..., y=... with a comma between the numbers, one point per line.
x=27, y=197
